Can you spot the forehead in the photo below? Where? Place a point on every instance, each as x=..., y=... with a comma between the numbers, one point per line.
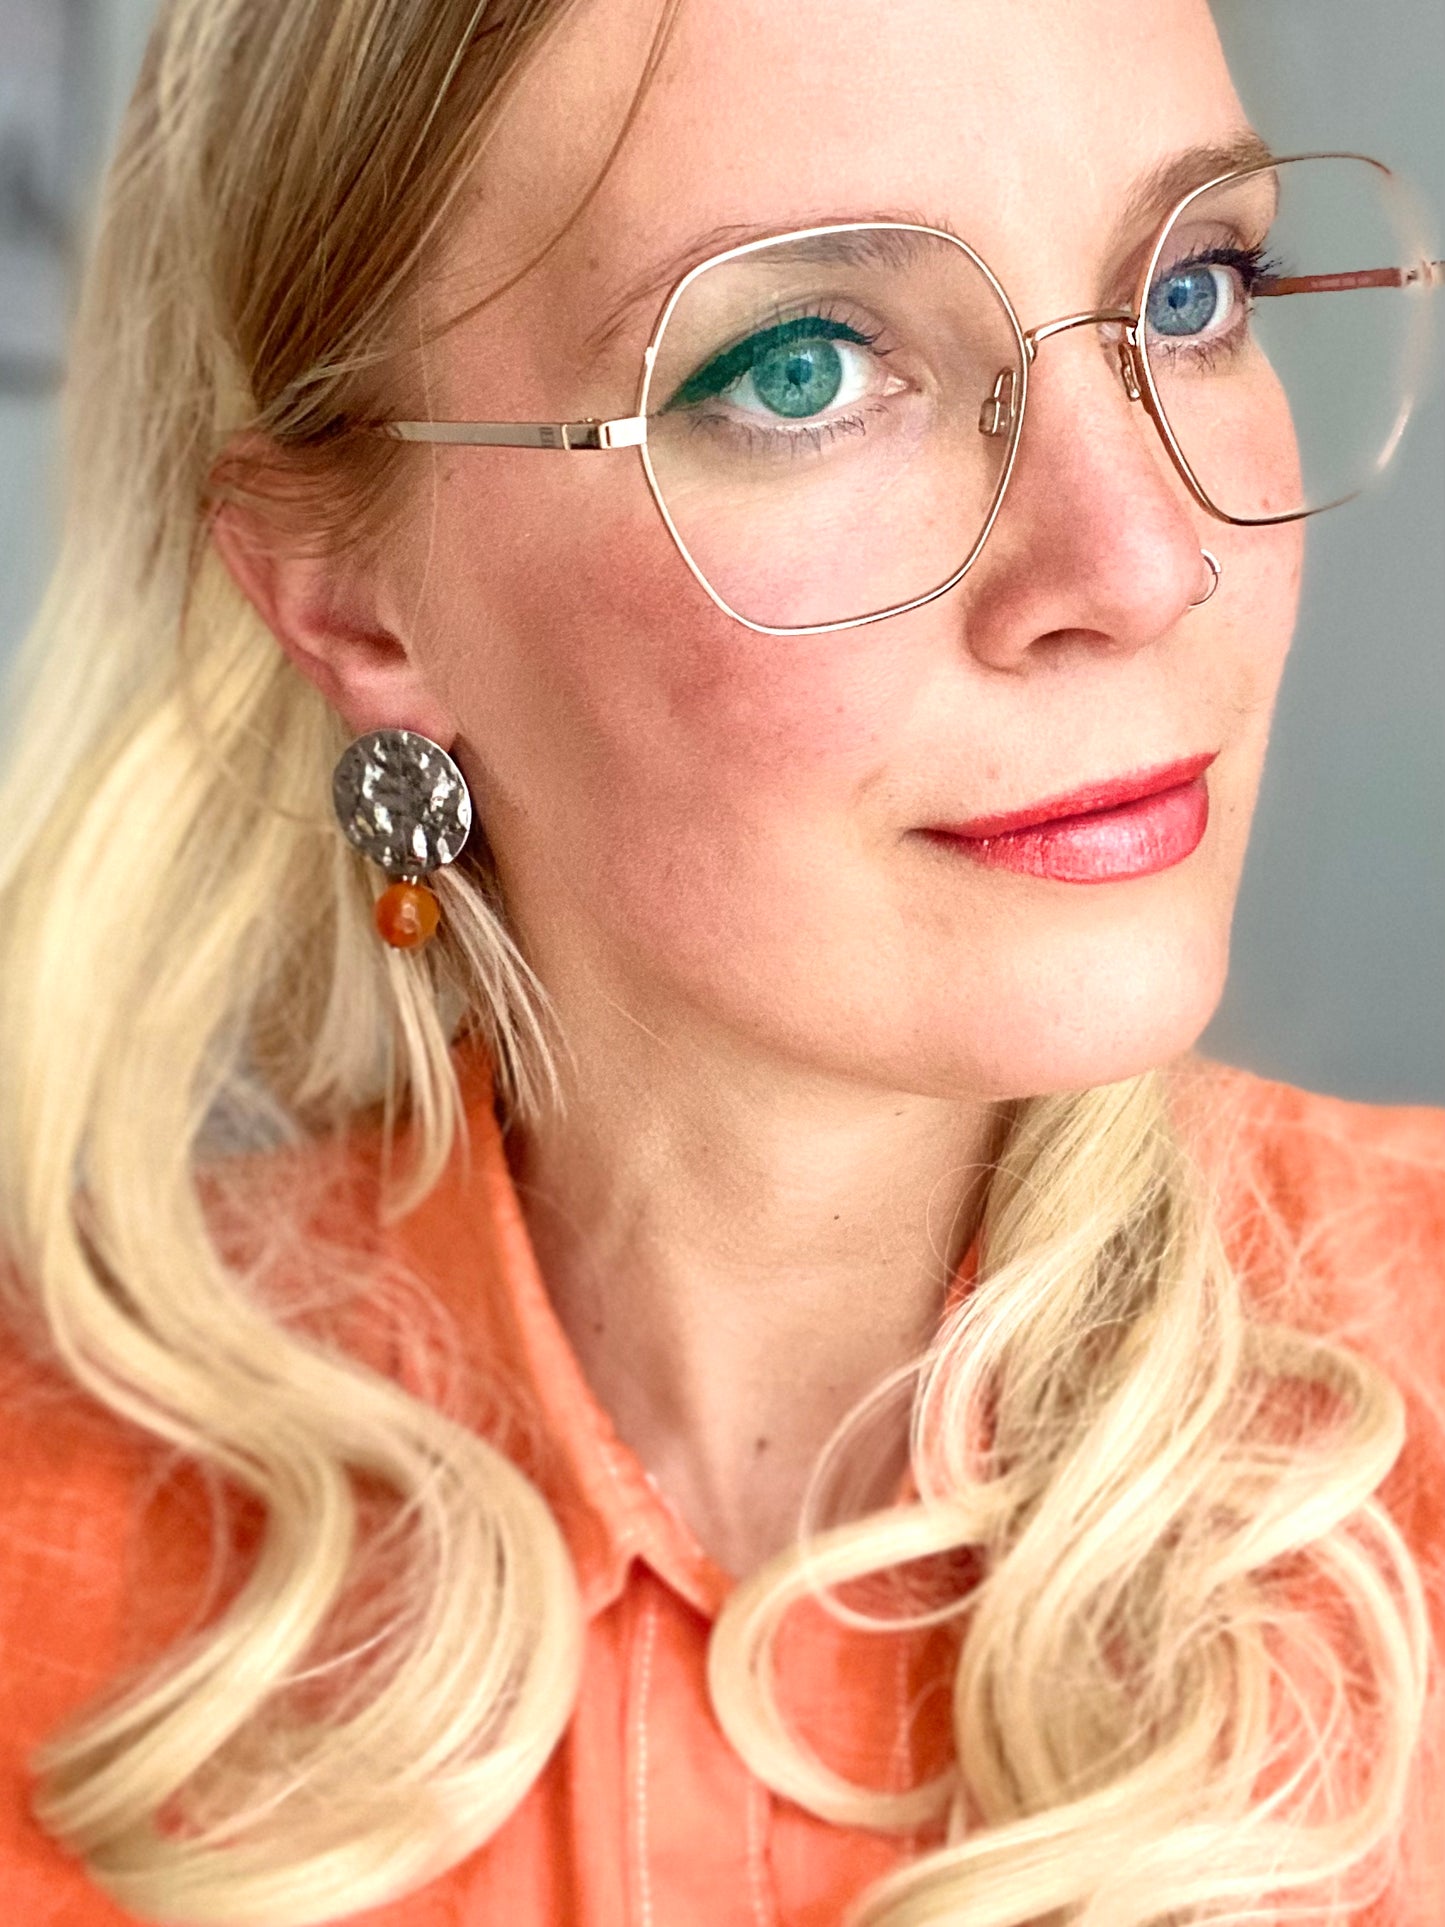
x=1023, y=125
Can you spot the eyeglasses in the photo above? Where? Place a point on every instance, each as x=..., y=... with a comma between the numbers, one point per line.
x=829, y=418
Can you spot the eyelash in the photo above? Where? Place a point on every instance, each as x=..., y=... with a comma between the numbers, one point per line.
x=814, y=435
x=1253, y=265
x=811, y=436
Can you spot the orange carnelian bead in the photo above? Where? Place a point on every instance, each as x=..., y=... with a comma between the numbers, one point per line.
x=407, y=915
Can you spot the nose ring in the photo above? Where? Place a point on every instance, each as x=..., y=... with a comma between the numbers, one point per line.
x=1216, y=570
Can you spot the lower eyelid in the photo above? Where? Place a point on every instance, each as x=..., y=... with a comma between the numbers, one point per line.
x=780, y=432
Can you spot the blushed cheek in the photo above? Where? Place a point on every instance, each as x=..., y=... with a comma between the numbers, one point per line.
x=1254, y=611
x=602, y=641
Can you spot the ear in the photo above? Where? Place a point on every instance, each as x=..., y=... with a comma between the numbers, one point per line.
x=330, y=614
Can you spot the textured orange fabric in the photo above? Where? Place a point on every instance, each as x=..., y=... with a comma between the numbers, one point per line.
x=644, y=1816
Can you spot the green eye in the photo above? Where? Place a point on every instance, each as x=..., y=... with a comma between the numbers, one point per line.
x=795, y=369
x=800, y=380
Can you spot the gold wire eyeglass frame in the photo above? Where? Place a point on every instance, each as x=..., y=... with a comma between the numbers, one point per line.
x=1003, y=413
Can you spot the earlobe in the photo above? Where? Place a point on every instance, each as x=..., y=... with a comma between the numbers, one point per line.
x=322, y=610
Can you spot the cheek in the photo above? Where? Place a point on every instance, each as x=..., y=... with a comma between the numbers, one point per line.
x=722, y=808
x=1263, y=582
x=1241, y=658
x=582, y=654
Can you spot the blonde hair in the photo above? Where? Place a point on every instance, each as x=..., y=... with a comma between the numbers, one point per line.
x=185, y=939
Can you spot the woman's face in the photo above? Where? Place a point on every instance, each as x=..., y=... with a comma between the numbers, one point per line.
x=727, y=833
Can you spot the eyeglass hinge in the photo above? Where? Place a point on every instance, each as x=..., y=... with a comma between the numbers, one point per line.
x=629, y=431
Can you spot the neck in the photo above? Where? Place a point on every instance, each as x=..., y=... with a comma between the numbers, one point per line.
x=738, y=1253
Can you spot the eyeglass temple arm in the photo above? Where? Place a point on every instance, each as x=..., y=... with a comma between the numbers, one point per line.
x=1428, y=273
x=628, y=431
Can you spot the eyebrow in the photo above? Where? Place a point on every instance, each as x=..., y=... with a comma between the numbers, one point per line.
x=1161, y=190
x=1150, y=198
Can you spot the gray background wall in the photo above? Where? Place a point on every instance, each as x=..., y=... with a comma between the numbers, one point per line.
x=1338, y=980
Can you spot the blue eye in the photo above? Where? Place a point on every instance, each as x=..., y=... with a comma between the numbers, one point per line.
x=1195, y=298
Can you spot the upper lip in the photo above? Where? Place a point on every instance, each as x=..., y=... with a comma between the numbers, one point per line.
x=1088, y=800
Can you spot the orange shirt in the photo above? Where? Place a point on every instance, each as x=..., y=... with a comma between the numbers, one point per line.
x=644, y=1816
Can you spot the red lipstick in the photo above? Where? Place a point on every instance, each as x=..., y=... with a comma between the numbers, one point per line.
x=1133, y=826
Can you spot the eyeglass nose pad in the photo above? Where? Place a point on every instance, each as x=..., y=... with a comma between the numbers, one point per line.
x=996, y=417
x=1129, y=369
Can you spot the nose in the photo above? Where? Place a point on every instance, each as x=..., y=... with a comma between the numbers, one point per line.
x=1096, y=546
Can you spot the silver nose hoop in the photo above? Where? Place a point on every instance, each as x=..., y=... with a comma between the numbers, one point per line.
x=1216, y=570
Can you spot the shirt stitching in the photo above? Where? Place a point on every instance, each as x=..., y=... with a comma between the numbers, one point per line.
x=758, y=1809
x=902, y=1763
x=642, y=1687
x=903, y=1767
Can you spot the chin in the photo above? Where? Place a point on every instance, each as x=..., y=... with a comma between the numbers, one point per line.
x=1066, y=1013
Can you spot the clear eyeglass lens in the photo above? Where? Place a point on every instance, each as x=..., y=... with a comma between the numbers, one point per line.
x=1286, y=329
x=831, y=419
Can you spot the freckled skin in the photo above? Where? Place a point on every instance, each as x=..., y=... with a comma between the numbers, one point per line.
x=720, y=827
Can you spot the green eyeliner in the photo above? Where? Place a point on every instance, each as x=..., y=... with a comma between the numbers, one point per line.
x=724, y=369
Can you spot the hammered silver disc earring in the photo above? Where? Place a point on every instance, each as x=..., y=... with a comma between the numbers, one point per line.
x=402, y=801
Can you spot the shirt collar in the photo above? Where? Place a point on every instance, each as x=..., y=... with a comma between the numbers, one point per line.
x=468, y=1242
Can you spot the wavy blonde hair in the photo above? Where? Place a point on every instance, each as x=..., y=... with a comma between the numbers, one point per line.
x=184, y=938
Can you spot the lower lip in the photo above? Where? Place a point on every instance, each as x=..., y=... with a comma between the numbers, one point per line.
x=1132, y=840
